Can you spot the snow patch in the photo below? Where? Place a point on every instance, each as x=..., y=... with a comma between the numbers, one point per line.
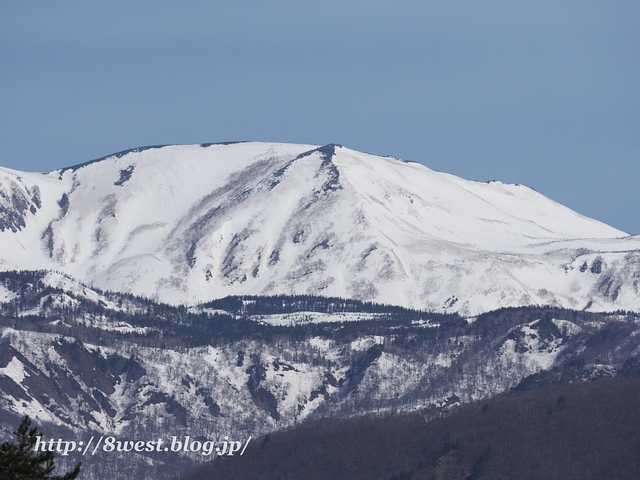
x=15, y=370
x=365, y=343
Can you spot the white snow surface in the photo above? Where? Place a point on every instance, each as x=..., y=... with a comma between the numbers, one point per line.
x=189, y=224
x=302, y=318
x=6, y=295
x=14, y=370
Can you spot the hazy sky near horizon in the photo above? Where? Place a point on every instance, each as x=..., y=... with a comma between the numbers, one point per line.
x=543, y=93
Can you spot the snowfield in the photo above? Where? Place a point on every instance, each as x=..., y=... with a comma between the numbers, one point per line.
x=189, y=224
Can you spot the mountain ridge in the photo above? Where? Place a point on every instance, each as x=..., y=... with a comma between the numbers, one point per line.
x=189, y=224
x=102, y=363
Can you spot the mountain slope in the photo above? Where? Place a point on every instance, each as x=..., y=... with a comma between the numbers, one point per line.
x=584, y=430
x=188, y=224
x=83, y=362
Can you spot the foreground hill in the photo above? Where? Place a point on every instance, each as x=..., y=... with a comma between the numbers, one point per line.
x=82, y=362
x=189, y=224
x=586, y=430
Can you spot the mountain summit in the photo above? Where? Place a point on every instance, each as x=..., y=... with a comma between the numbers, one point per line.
x=188, y=224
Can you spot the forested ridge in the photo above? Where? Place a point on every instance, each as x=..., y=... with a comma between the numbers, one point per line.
x=586, y=430
x=247, y=366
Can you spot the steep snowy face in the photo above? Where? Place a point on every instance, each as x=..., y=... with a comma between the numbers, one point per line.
x=186, y=224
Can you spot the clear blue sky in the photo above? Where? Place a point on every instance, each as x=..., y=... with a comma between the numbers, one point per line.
x=543, y=93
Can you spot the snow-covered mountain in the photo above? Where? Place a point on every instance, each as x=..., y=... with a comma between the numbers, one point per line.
x=188, y=224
